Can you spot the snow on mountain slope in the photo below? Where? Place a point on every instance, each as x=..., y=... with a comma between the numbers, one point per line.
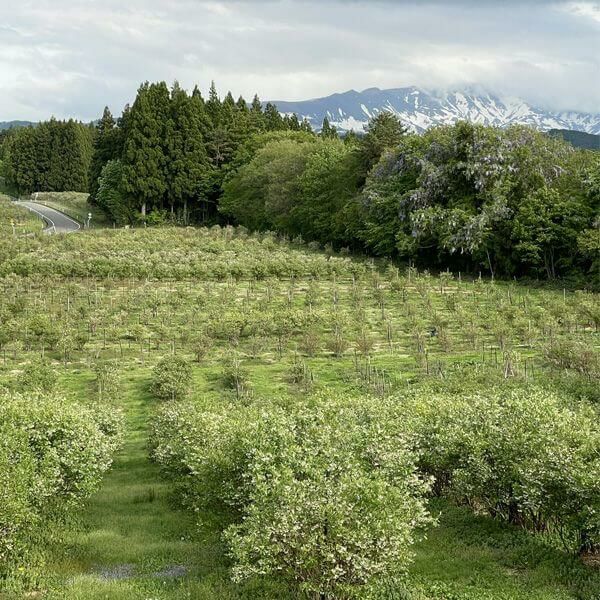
x=420, y=109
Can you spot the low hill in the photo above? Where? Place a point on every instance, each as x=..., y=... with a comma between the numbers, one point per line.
x=12, y=124
x=579, y=139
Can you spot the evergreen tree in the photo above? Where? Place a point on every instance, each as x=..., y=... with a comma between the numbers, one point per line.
x=256, y=105
x=106, y=147
x=227, y=133
x=111, y=196
x=243, y=122
x=187, y=161
x=294, y=123
x=196, y=93
x=75, y=155
x=53, y=156
x=43, y=134
x=122, y=130
x=229, y=102
x=55, y=175
x=220, y=146
x=273, y=120
x=213, y=105
x=144, y=160
x=383, y=131
x=4, y=134
x=242, y=105
x=21, y=160
x=327, y=130
x=257, y=118
x=306, y=126
x=351, y=139
x=228, y=113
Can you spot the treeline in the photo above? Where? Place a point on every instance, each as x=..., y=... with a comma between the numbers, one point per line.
x=510, y=202
x=168, y=154
x=169, y=150
x=465, y=197
x=53, y=156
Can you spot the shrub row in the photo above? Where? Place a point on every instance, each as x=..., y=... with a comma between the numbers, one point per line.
x=169, y=254
x=331, y=493
x=524, y=456
x=52, y=455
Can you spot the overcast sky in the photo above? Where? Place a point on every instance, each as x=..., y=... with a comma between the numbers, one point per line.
x=72, y=57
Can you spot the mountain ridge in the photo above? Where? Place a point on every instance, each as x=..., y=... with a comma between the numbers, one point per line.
x=420, y=109
x=11, y=124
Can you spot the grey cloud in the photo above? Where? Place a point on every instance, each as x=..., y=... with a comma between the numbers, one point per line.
x=71, y=57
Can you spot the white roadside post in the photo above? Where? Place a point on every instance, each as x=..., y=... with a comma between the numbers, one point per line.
x=89, y=218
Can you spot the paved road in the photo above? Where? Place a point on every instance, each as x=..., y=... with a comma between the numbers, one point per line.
x=57, y=222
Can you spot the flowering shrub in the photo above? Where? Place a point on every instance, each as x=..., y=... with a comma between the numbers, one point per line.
x=327, y=495
x=522, y=456
x=38, y=376
x=168, y=253
x=334, y=503
x=172, y=378
x=107, y=383
x=52, y=455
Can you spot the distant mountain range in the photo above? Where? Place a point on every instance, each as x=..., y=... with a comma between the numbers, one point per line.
x=11, y=124
x=419, y=109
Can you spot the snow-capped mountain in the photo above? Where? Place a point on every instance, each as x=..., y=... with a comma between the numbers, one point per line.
x=420, y=109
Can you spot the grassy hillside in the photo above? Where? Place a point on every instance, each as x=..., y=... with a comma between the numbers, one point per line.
x=268, y=327
x=16, y=221
x=73, y=204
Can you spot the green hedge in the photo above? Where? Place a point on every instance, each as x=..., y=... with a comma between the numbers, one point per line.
x=53, y=454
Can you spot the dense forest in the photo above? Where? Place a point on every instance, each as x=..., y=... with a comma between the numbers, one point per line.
x=51, y=157
x=512, y=202
x=467, y=197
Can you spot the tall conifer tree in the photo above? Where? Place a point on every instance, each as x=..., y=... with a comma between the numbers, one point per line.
x=186, y=157
x=328, y=130
x=294, y=122
x=144, y=160
x=257, y=118
x=273, y=120
x=306, y=126
x=213, y=105
x=106, y=147
x=242, y=105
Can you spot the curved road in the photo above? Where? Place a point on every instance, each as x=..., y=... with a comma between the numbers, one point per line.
x=57, y=222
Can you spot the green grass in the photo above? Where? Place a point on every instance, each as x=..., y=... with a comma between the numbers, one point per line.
x=15, y=220
x=74, y=205
x=131, y=526
x=477, y=558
